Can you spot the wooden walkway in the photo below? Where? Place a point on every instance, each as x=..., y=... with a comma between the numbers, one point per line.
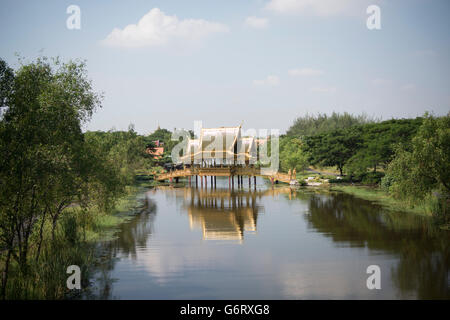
x=225, y=172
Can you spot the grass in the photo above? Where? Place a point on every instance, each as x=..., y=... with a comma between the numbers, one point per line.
x=73, y=245
x=326, y=170
x=381, y=197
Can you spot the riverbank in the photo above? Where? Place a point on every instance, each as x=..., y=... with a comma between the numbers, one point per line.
x=105, y=224
x=376, y=195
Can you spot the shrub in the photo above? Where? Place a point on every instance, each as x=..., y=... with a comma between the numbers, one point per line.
x=372, y=177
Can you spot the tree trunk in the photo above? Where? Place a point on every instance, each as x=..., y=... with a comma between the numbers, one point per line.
x=54, y=220
x=5, y=274
x=40, y=237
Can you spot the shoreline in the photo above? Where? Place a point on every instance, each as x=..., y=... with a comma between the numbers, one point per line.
x=382, y=198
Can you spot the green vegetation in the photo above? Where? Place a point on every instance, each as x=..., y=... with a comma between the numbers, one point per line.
x=312, y=125
x=407, y=158
x=423, y=170
x=382, y=197
x=292, y=155
x=164, y=136
x=359, y=148
x=58, y=186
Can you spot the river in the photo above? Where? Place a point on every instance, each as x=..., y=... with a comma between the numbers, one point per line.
x=264, y=243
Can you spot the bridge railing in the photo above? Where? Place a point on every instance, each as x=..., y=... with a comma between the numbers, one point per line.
x=225, y=171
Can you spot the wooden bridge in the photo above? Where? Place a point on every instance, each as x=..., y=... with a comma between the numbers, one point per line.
x=230, y=172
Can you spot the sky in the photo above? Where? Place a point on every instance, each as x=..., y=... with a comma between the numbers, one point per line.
x=262, y=63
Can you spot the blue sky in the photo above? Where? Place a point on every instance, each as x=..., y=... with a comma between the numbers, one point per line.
x=261, y=62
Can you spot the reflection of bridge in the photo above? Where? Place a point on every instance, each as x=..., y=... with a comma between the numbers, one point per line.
x=230, y=172
x=222, y=215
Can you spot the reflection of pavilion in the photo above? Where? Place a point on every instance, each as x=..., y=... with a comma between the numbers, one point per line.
x=222, y=214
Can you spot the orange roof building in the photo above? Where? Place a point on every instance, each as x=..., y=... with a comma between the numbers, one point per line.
x=157, y=152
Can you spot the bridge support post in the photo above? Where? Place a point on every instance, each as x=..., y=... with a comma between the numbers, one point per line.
x=232, y=182
x=201, y=181
x=215, y=182
x=196, y=181
x=206, y=182
x=249, y=181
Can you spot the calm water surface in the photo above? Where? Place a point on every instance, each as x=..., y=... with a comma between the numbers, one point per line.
x=264, y=243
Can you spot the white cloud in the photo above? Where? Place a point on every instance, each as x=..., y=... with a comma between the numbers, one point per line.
x=157, y=29
x=305, y=72
x=269, y=81
x=323, y=89
x=257, y=23
x=319, y=7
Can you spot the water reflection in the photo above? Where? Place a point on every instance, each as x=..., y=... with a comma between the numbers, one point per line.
x=423, y=250
x=157, y=254
x=222, y=214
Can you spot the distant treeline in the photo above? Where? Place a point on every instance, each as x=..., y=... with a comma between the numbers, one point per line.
x=410, y=158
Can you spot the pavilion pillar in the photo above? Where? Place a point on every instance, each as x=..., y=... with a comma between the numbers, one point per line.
x=232, y=182
x=215, y=181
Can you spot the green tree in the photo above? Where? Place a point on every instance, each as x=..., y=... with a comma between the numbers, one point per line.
x=292, y=155
x=378, y=141
x=44, y=166
x=6, y=81
x=426, y=167
x=334, y=148
x=309, y=125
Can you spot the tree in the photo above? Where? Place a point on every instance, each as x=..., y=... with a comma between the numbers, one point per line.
x=292, y=155
x=44, y=162
x=334, y=148
x=6, y=81
x=322, y=123
x=426, y=167
x=378, y=141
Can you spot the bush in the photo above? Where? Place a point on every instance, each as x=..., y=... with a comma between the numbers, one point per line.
x=441, y=210
x=372, y=177
x=386, y=182
x=70, y=229
x=343, y=180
